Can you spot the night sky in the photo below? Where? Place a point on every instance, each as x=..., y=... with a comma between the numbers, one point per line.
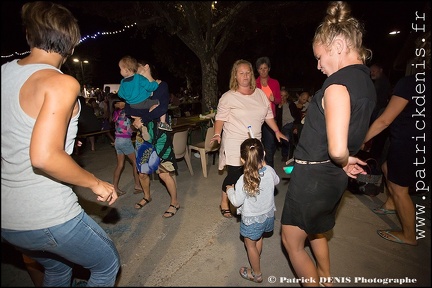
x=104, y=52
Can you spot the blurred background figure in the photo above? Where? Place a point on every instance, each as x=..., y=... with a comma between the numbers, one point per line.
x=271, y=88
x=87, y=123
x=287, y=124
x=124, y=148
x=298, y=111
x=383, y=90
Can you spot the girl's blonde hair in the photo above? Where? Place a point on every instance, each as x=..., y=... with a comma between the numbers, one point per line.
x=252, y=153
x=339, y=22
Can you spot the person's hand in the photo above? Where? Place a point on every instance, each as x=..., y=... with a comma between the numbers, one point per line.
x=271, y=97
x=105, y=192
x=229, y=187
x=137, y=123
x=280, y=135
x=353, y=168
x=158, y=81
x=215, y=137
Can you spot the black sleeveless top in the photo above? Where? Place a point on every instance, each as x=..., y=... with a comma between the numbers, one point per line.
x=313, y=145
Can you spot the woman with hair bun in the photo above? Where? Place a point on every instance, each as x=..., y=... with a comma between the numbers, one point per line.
x=337, y=121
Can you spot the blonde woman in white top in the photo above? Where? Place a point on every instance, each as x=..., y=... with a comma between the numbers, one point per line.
x=242, y=106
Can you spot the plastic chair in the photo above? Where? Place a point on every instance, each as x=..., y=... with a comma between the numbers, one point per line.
x=181, y=148
x=204, y=148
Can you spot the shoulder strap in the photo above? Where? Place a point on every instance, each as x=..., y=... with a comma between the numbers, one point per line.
x=166, y=145
x=157, y=133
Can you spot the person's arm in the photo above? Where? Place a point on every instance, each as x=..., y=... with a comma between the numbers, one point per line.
x=235, y=193
x=121, y=93
x=337, y=111
x=48, y=138
x=218, y=126
x=271, y=122
x=392, y=110
x=146, y=84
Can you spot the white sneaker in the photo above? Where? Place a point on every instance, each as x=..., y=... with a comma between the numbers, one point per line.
x=197, y=155
x=164, y=126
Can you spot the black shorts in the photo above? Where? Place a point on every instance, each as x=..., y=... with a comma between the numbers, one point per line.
x=233, y=174
x=313, y=196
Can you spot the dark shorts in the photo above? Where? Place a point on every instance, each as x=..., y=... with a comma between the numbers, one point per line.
x=313, y=196
x=233, y=174
x=401, y=156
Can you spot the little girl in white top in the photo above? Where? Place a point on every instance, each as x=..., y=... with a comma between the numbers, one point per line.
x=253, y=194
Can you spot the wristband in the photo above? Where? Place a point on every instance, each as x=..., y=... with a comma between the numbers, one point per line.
x=216, y=135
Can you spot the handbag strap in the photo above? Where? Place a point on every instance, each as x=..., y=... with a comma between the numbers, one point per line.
x=368, y=166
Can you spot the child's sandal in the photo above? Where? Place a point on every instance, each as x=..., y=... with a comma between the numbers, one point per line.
x=244, y=273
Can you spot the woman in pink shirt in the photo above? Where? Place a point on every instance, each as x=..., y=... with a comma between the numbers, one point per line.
x=271, y=88
x=241, y=107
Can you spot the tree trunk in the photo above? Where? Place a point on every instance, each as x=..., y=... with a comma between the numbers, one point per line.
x=209, y=83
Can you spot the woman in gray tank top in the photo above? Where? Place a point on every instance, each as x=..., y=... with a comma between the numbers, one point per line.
x=41, y=215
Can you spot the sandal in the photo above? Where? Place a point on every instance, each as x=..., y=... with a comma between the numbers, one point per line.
x=171, y=214
x=138, y=205
x=244, y=273
x=225, y=212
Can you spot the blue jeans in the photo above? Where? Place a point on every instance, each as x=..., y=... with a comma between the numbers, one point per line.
x=286, y=145
x=268, y=139
x=78, y=241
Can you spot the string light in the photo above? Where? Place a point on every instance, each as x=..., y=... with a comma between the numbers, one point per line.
x=85, y=38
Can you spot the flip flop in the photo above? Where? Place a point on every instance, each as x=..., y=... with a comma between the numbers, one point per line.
x=387, y=235
x=383, y=211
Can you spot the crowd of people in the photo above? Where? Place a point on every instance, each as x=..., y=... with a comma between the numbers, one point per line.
x=323, y=133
